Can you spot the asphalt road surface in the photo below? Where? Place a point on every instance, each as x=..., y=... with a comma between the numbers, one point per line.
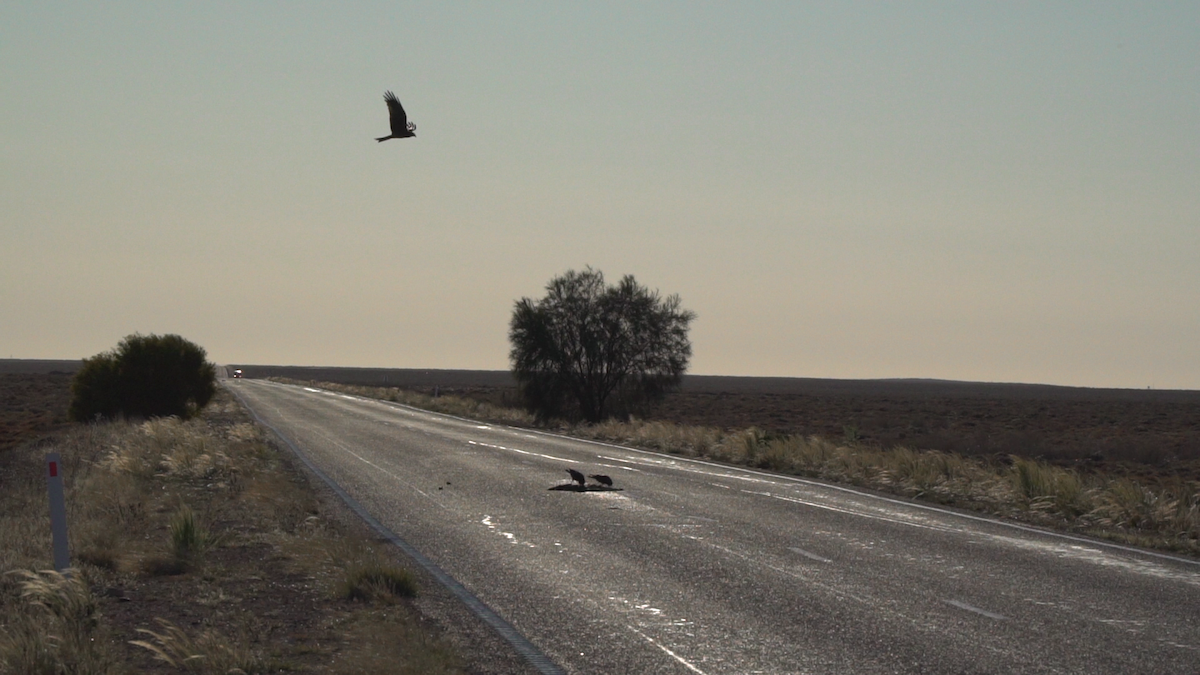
x=692, y=567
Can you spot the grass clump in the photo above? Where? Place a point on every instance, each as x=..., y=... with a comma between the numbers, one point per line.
x=363, y=574
x=189, y=539
x=59, y=630
x=209, y=653
x=376, y=581
x=1042, y=487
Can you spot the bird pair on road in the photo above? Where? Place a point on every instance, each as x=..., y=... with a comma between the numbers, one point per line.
x=598, y=477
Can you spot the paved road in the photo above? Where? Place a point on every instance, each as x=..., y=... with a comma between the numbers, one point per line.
x=697, y=568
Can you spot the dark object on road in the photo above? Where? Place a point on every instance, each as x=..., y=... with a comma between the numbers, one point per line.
x=576, y=487
x=603, y=483
x=401, y=127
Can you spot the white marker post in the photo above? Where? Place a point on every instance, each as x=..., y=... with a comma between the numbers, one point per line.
x=58, y=511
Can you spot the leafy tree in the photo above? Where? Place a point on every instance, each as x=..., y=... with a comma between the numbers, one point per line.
x=145, y=376
x=587, y=350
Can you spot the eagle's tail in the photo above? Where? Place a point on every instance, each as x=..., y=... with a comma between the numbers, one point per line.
x=383, y=139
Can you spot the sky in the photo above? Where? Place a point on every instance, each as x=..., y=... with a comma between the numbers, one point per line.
x=1003, y=192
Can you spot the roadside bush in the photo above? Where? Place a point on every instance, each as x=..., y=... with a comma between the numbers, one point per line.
x=145, y=376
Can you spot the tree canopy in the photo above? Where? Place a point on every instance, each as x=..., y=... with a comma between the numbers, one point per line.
x=588, y=350
x=145, y=376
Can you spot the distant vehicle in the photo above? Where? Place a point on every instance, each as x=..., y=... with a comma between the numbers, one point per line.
x=237, y=373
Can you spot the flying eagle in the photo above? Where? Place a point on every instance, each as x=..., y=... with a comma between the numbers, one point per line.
x=577, y=477
x=401, y=127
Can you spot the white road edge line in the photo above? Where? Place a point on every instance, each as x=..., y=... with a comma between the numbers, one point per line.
x=806, y=554
x=970, y=608
x=852, y=512
x=670, y=653
x=521, y=644
x=793, y=479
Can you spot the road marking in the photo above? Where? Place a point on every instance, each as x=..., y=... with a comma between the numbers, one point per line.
x=670, y=464
x=532, y=655
x=373, y=465
x=776, y=479
x=784, y=478
x=523, y=452
x=860, y=514
x=512, y=538
x=670, y=653
x=806, y=554
x=970, y=608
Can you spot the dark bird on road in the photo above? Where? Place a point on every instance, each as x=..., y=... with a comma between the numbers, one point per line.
x=577, y=477
x=602, y=479
x=401, y=127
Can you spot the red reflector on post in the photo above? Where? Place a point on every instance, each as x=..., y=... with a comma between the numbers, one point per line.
x=53, y=469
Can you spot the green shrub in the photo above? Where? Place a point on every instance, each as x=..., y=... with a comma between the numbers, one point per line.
x=94, y=389
x=145, y=376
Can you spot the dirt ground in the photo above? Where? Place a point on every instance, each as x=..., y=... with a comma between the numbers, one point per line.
x=32, y=404
x=1154, y=429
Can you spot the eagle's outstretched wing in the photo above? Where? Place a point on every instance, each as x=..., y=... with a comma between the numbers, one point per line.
x=399, y=119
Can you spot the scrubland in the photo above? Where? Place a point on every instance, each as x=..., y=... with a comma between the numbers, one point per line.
x=1155, y=509
x=196, y=548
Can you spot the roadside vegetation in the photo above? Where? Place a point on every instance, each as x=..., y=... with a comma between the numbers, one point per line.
x=590, y=351
x=144, y=376
x=196, y=548
x=1160, y=512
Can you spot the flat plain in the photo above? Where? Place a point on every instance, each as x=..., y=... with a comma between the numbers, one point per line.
x=1150, y=433
x=1139, y=431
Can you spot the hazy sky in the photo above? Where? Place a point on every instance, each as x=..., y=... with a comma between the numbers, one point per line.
x=978, y=191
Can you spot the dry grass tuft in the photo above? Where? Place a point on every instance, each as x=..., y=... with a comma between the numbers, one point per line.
x=135, y=496
x=375, y=581
x=209, y=653
x=189, y=539
x=58, y=630
x=1165, y=516
x=394, y=643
